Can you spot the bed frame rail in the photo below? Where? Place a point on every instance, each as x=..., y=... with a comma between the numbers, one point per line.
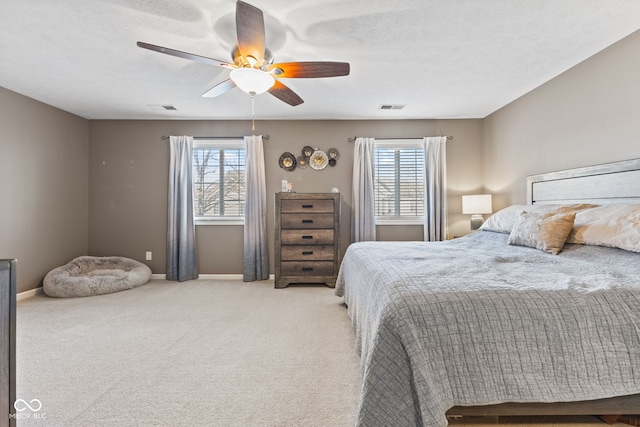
x=613, y=406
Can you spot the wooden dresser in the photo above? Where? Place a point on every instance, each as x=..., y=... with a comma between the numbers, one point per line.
x=307, y=238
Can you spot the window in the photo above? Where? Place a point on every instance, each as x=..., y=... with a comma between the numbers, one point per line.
x=399, y=181
x=219, y=181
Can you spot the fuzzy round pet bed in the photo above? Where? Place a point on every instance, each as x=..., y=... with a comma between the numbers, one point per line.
x=88, y=275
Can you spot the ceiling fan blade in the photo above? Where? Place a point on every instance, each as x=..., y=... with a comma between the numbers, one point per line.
x=310, y=69
x=283, y=93
x=184, y=55
x=250, y=30
x=219, y=89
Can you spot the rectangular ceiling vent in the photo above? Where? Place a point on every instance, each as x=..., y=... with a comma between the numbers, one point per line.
x=391, y=107
x=163, y=107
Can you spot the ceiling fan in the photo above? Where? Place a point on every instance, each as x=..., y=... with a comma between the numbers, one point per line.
x=253, y=69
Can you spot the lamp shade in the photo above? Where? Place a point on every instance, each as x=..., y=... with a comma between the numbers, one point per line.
x=477, y=204
x=251, y=80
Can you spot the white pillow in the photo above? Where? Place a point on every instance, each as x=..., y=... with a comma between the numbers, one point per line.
x=504, y=220
x=547, y=232
x=616, y=226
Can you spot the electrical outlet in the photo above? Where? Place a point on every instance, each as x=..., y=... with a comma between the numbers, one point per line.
x=149, y=256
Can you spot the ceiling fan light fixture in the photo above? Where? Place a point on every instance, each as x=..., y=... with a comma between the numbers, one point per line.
x=253, y=68
x=251, y=80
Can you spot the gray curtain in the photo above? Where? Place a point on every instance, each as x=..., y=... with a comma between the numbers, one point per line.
x=256, y=259
x=435, y=189
x=182, y=263
x=363, y=220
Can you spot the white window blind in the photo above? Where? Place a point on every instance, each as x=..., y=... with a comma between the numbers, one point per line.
x=218, y=180
x=399, y=179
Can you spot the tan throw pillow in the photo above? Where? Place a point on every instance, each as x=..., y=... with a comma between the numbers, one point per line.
x=547, y=232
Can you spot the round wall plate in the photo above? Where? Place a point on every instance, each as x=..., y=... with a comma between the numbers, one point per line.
x=303, y=162
x=307, y=151
x=318, y=160
x=287, y=161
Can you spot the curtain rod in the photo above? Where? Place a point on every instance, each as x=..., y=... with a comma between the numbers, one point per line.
x=218, y=137
x=350, y=139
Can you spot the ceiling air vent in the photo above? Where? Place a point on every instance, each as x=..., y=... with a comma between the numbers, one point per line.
x=162, y=107
x=391, y=107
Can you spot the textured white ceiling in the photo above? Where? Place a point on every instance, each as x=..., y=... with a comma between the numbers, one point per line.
x=440, y=58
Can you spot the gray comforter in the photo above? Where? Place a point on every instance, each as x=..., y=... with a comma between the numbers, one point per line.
x=474, y=321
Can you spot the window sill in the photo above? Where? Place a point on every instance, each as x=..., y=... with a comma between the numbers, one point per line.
x=231, y=221
x=398, y=221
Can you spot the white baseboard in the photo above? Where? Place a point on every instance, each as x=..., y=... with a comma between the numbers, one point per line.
x=38, y=291
x=211, y=276
x=29, y=293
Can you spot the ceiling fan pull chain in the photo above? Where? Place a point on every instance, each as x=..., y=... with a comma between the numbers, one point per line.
x=253, y=124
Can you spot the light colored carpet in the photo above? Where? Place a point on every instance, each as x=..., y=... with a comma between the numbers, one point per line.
x=200, y=353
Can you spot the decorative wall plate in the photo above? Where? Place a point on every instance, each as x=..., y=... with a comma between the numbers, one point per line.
x=332, y=162
x=307, y=151
x=303, y=162
x=318, y=160
x=333, y=153
x=287, y=161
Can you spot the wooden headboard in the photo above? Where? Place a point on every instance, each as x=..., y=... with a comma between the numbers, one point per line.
x=605, y=184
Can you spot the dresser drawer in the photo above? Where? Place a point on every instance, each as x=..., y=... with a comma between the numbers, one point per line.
x=306, y=220
x=306, y=237
x=307, y=268
x=304, y=253
x=299, y=206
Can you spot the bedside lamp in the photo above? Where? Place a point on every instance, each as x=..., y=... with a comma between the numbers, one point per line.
x=476, y=205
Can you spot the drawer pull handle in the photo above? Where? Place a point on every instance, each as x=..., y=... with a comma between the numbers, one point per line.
x=307, y=252
x=307, y=237
x=307, y=268
x=307, y=221
x=307, y=206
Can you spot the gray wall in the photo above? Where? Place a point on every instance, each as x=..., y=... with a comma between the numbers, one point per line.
x=43, y=186
x=63, y=194
x=587, y=115
x=128, y=165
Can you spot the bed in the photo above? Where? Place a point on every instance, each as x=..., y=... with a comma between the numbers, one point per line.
x=479, y=326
